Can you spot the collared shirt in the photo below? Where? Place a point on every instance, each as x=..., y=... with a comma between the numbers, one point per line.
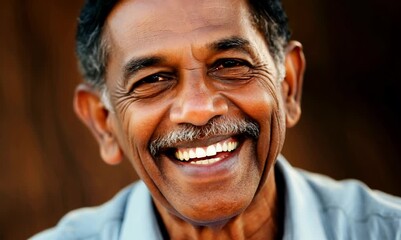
x=316, y=207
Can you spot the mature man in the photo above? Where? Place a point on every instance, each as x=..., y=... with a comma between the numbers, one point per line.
x=197, y=95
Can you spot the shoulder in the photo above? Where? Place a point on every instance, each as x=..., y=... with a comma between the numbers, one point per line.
x=352, y=196
x=101, y=222
x=350, y=209
x=319, y=207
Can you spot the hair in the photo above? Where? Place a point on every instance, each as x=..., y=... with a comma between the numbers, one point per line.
x=216, y=126
x=92, y=50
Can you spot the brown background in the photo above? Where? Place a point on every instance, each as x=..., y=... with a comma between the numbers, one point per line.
x=49, y=163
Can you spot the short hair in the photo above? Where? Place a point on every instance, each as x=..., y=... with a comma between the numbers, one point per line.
x=91, y=48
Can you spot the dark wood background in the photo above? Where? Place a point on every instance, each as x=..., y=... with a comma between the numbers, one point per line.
x=49, y=163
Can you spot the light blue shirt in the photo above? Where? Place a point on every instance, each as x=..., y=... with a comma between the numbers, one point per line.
x=316, y=207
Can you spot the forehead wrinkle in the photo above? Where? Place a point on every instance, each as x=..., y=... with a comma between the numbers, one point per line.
x=150, y=21
x=150, y=18
x=150, y=32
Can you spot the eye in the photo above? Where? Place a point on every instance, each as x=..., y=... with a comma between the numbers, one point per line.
x=231, y=69
x=229, y=63
x=152, y=85
x=152, y=79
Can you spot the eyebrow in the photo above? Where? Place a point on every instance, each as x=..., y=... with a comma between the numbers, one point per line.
x=136, y=64
x=231, y=43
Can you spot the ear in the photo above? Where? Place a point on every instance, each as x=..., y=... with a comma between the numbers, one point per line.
x=92, y=112
x=292, y=84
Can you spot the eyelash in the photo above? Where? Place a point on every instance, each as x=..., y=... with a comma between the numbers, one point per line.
x=238, y=63
x=213, y=71
x=151, y=79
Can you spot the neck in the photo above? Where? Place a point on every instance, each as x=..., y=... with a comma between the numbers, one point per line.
x=260, y=220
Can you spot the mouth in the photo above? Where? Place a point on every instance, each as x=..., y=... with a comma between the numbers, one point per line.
x=205, y=154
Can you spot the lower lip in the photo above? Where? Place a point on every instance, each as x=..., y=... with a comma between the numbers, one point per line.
x=224, y=166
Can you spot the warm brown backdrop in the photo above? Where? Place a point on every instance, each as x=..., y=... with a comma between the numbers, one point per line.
x=49, y=163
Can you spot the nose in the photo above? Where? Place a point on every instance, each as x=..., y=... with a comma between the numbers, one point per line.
x=197, y=103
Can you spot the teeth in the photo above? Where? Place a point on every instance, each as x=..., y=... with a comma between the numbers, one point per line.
x=224, y=147
x=178, y=155
x=231, y=146
x=200, y=162
x=218, y=147
x=200, y=152
x=207, y=161
x=186, y=154
x=192, y=154
x=211, y=151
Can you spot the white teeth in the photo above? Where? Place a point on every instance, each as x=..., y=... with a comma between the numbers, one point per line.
x=192, y=154
x=218, y=147
x=210, y=151
x=224, y=147
x=213, y=160
x=186, y=154
x=207, y=161
x=200, y=162
x=200, y=152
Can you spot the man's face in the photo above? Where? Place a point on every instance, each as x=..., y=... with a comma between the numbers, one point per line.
x=181, y=65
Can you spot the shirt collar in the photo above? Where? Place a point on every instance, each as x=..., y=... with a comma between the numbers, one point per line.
x=302, y=218
x=139, y=220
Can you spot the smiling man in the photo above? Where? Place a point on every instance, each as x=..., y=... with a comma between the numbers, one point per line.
x=197, y=95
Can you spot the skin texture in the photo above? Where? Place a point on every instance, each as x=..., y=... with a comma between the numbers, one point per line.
x=200, y=61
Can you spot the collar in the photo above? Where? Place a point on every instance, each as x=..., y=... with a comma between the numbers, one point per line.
x=302, y=215
x=139, y=218
x=302, y=219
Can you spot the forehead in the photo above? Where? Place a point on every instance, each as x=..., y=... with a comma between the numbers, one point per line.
x=138, y=24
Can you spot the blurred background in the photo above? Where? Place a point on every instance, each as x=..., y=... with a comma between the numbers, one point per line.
x=49, y=162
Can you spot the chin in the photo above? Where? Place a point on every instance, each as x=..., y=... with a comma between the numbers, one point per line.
x=216, y=212
x=212, y=219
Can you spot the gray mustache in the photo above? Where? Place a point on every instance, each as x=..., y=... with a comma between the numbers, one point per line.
x=217, y=126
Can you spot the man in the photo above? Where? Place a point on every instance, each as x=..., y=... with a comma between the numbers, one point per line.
x=197, y=95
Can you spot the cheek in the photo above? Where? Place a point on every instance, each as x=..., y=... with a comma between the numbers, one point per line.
x=138, y=124
x=255, y=100
x=261, y=102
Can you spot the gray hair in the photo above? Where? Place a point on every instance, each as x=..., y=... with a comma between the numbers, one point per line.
x=92, y=48
x=217, y=126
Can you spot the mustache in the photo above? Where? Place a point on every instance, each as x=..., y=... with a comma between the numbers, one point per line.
x=217, y=126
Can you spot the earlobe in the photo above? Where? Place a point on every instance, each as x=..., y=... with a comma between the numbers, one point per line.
x=92, y=112
x=110, y=150
x=292, y=84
